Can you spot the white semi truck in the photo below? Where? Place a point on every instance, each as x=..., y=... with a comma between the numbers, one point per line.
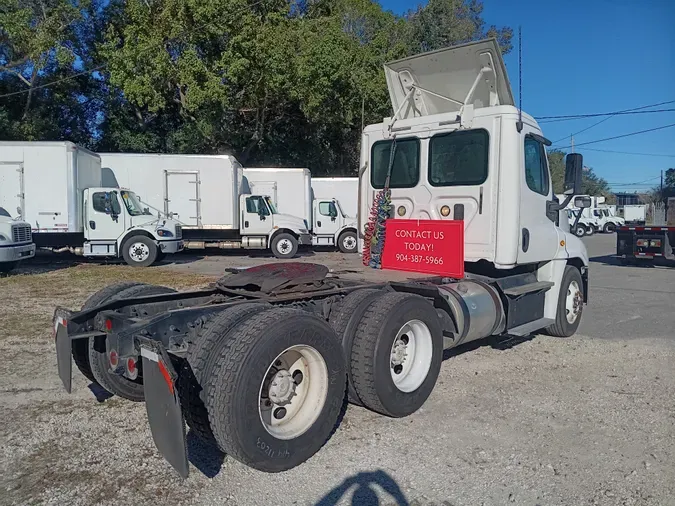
x=259, y=364
x=16, y=242
x=293, y=191
x=210, y=197
x=58, y=189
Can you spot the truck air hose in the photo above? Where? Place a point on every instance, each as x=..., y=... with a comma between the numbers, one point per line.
x=374, y=233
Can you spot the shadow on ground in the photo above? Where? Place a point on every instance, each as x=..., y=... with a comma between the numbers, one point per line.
x=364, y=493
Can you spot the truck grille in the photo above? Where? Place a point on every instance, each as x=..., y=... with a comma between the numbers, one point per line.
x=179, y=232
x=21, y=233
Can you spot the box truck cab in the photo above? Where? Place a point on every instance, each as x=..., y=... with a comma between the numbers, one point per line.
x=16, y=242
x=58, y=188
x=457, y=148
x=292, y=191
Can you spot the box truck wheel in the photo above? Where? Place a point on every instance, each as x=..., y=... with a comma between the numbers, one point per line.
x=396, y=355
x=570, y=304
x=345, y=320
x=284, y=245
x=277, y=390
x=580, y=231
x=139, y=251
x=99, y=360
x=198, y=365
x=590, y=230
x=609, y=228
x=347, y=242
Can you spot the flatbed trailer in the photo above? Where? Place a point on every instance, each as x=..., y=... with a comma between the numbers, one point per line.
x=645, y=243
x=259, y=363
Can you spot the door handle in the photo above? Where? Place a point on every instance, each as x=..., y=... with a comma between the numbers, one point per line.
x=318, y=223
x=246, y=224
x=92, y=224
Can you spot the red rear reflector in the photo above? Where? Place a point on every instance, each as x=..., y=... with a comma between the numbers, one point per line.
x=167, y=376
x=642, y=242
x=131, y=365
x=108, y=324
x=114, y=359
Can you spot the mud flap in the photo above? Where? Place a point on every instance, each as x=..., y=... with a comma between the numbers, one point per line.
x=163, y=406
x=64, y=357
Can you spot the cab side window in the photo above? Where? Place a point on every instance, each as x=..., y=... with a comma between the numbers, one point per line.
x=102, y=205
x=327, y=209
x=536, y=169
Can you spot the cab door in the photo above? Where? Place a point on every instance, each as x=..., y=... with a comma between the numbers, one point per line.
x=326, y=221
x=256, y=218
x=104, y=218
x=539, y=238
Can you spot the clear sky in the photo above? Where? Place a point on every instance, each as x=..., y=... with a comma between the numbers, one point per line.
x=594, y=56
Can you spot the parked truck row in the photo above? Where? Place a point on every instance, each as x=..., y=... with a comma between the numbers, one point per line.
x=261, y=364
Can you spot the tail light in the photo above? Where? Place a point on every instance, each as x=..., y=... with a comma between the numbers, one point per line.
x=114, y=359
x=643, y=243
x=656, y=243
x=132, y=369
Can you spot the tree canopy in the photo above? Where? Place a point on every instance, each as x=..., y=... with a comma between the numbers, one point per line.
x=274, y=82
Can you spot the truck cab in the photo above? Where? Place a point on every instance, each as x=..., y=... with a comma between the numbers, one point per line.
x=117, y=224
x=16, y=243
x=457, y=148
x=262, y=224
x=332, y=226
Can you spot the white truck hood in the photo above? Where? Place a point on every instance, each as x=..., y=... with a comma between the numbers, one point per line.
x=445, y=80
x=294, y=223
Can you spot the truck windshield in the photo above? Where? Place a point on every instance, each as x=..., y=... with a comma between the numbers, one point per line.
x=605, y=212
x=4, y=213
x=132, y=203
x=272, y=207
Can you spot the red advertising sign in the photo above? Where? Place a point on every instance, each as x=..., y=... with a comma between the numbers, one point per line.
x=426, y=246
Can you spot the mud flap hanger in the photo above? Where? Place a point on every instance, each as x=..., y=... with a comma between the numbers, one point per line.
x=163, y=405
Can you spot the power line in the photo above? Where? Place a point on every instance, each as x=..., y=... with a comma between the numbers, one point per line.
x=622, y=136
x=612, y=113
x=52, y=83
x=628, y=152
x=639, y=183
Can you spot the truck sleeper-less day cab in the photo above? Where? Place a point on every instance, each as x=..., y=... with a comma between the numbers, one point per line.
x=16, y=243
x=57, y=186
x=211, y=198
x=292, y=191
x=258, y=364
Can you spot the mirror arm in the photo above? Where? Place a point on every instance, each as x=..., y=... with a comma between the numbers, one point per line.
x=561, y=205
x=578, y=217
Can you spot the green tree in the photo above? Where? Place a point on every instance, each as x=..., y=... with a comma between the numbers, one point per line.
x=592, y=184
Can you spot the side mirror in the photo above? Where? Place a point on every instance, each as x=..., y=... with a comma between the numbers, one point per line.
x=574, y=166
x=582, y=202
x=146, y=210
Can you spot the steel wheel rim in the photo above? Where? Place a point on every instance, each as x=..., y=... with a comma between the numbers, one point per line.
x=284, y=246
x=295, y=386
x=573, y=302
x=139, y=252
x=410, y=361
x=349, y=242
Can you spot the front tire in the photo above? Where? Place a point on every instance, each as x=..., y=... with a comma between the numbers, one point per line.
x=609, y=228
x=590, y=230
x=277, y=390
x=7, y=267
x=139, y=251
x=397, y=353
x=347, y=242
x=580, y=231
x=570, y=304
x=284, y=246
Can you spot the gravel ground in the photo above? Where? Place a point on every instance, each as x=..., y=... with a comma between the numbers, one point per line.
x=584, y=420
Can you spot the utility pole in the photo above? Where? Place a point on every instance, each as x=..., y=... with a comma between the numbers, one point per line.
x=661, y=183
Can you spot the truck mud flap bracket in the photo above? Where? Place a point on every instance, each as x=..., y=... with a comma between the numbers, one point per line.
x=64, y=346
x=163, y=405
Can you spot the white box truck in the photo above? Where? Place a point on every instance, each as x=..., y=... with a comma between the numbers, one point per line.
x=210, y=197
x=343, y=189
x=62, y=196
x=291, y=189
x=16, y=242
x=272, y=392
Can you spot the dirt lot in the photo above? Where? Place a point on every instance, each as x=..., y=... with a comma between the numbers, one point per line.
x=585, y=420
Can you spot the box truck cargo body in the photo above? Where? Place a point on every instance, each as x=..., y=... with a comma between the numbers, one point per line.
x=61, y=194
x=292, y=191
x=210, y=197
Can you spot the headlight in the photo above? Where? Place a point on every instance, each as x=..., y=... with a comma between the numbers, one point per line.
x=164, y=233
x=3, y=238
